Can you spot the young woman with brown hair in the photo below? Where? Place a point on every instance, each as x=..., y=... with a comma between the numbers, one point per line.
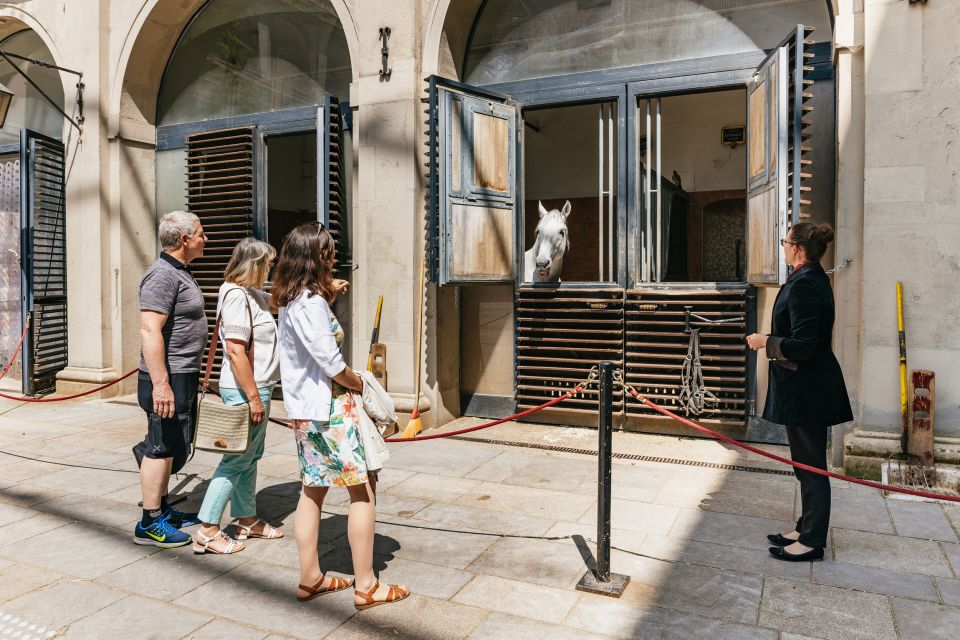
x=318, y=391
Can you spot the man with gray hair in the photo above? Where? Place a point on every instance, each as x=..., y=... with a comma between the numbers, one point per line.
x=173, y=332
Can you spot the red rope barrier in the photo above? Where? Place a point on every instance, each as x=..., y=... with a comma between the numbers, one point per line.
x=798, y=465
x=73, y=396
x=522, y=414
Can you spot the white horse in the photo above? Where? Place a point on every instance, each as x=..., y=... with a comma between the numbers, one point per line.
x=543, y=262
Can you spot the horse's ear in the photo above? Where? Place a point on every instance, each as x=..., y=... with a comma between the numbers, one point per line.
x=543, y=210
x=566, y=209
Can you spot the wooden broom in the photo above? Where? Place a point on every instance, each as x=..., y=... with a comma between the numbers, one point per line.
x=415, y=425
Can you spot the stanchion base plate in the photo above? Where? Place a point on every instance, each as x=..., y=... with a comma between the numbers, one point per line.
x=613, y=588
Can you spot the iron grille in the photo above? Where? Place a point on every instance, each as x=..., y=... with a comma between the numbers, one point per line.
x=656, y=346
x=561, y=335
x=220, y=192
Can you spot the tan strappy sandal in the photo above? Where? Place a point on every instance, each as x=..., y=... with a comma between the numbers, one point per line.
x=201, y=544
x=394, y=594
x=245, y=531
x=336, y=584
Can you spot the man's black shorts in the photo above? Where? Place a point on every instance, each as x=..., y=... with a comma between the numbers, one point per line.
x=169, y=437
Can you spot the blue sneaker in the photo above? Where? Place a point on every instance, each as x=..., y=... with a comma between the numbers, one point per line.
x=160, y=534
x=180, y=519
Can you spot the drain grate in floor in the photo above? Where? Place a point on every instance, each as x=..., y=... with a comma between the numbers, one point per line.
x=632, y=456
x=13, y=628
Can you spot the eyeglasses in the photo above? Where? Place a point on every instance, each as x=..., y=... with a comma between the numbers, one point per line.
x=784, y=242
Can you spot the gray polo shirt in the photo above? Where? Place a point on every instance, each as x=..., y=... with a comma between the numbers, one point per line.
x=168, y=287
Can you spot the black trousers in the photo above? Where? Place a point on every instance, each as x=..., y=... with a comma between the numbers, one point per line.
x=809, y=446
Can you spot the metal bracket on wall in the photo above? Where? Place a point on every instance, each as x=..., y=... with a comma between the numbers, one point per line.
x=385, y=71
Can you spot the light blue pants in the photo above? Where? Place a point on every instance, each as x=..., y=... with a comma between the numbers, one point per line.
x=236, y=476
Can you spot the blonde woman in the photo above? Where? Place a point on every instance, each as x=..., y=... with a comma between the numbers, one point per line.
x=318, y=394
x=235, y=479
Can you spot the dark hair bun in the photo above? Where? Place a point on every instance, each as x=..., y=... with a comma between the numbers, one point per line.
x=822, y=233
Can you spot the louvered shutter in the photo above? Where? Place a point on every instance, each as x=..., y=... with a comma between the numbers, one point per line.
x=333, y=194
x=220, y=191
x=43, y=260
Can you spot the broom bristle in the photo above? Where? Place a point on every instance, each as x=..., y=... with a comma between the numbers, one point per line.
x=414, y=427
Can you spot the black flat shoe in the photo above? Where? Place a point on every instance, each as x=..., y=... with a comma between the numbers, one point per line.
x=781, y=554
x=779, y=540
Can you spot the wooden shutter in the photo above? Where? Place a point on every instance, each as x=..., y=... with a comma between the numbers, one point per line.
x=220, y=191
x=472, y=166
x=778, y=172
x=43, y=260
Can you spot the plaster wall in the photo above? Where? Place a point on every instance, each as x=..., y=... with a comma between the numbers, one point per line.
x=911, y=185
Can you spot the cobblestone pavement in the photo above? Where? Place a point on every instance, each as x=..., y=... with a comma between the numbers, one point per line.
x=491, y=538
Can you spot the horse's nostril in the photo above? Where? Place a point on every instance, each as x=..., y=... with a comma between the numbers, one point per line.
x=543, y=264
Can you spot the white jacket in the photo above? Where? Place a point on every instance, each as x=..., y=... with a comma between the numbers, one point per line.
x=309, y=357
x=377, y=402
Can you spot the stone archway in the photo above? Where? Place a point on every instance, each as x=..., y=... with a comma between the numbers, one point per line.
x=450, y=21
x=128, y=114
x=146, y=48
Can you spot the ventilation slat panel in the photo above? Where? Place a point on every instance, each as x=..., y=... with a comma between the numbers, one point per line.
x=561, y=335
x=656, y=347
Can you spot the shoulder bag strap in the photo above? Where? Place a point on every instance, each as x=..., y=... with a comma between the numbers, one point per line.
x=214, y=338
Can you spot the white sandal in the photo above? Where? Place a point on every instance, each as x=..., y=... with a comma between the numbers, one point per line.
x=245, y=531
x=204, y=546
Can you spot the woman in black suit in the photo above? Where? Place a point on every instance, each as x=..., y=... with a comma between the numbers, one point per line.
x=805, y=391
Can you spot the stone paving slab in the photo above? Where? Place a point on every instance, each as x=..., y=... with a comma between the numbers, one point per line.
x=81, y=549
x=552, y=564
x=128, y=618
x=62, y=603
x=223, y=630
x=173, y=573
x=498, y=626
x=640, y=517
x=949, y=590
x=422, y=618
x=921, y=520
x=484, y=520
x=545, y=604
x=874, y=580
x=723, y=556
x=626, y=620
x=19, y=579
x=825, y=612
x=468, y=527
x=263, y=595
x=728, y=529
x=951, y=551
x=926, y=620
x=886, y=551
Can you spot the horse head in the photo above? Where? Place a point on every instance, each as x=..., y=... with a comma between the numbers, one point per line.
x=551, y=243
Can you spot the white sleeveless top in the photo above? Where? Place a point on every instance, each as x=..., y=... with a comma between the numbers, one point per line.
x=235, y=324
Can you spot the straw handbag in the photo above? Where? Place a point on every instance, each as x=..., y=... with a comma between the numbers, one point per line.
x=222, y=428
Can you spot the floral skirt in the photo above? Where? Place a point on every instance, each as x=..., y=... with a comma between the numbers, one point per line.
x=331, y=454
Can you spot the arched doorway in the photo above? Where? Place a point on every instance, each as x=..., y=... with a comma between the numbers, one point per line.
x=639, y=114
x=32, y=222
x=253, y=130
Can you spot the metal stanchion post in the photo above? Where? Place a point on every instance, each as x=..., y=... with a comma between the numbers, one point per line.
x=602, y=581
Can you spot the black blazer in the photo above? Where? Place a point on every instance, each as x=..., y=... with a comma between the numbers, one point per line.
x=806, y=386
